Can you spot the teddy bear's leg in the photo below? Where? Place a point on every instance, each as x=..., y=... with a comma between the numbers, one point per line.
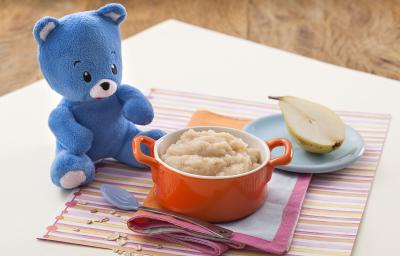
x=125, y=155
x=70, y=171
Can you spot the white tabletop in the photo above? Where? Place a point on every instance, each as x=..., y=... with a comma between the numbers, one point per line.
x=174, y=55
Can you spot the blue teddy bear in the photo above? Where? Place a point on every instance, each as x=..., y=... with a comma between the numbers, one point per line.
x=80, y=57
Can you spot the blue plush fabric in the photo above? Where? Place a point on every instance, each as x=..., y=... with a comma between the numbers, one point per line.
x=80, y=57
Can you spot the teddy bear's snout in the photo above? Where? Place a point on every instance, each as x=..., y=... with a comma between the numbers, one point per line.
x=103, y=89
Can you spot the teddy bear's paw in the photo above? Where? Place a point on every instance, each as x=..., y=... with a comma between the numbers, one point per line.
x=73, y=179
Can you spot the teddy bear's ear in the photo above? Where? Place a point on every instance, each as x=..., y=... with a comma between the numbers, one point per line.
x=113, y=12
x=43, y=28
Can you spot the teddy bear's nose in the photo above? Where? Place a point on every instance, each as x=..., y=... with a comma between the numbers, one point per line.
x=105, y=86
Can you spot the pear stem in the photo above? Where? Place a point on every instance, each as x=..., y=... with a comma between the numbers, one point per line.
x=274, y=97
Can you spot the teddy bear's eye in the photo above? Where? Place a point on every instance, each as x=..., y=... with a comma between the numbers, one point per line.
x=87, y=77
x=114, y=69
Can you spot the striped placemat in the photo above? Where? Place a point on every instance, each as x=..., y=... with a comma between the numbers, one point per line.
x=331, y=213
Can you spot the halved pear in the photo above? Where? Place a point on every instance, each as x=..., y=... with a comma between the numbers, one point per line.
x=316, y=128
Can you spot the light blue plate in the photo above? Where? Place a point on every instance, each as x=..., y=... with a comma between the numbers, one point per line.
x=273, y=126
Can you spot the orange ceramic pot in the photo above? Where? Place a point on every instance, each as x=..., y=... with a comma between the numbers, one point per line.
x=211, y=198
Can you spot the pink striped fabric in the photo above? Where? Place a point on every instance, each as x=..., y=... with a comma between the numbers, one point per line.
x=334, y=204
x=332, y=210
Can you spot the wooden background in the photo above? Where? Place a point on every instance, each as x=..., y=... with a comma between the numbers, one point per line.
x=359, y=34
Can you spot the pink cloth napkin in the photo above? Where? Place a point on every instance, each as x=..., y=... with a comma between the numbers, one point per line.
x=277, y=241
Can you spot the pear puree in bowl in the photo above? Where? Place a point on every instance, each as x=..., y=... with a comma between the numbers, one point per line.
x=211, y=153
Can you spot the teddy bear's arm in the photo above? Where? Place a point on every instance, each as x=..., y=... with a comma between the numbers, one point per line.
x=74, y=137
x=135, y=106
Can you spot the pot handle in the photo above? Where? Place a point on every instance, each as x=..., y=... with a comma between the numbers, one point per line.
x=287, y=156
x=139, y=155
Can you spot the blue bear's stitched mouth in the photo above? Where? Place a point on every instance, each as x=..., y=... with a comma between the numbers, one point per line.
x=103, y=89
